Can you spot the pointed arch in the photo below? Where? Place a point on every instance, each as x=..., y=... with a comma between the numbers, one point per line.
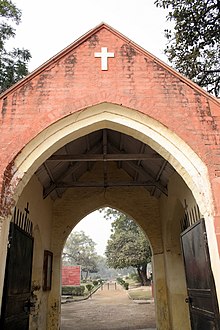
x=129, y=121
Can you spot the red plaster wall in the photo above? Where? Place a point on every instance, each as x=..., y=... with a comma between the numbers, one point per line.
x=73, y=80
x=71, y=275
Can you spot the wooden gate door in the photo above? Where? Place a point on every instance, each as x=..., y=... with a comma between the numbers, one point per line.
x=17, y=284
x=202, y=300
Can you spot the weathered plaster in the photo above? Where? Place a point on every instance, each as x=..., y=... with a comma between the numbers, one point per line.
x=171, y=213
x=160, y=138
x=142, y=127
x=41, y=217
x=140, y=96
x=3, y=252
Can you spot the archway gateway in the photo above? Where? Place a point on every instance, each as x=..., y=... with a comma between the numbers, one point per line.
x=125, y=131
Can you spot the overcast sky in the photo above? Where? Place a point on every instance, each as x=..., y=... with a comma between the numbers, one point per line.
x=96, y=227
x=48, y=26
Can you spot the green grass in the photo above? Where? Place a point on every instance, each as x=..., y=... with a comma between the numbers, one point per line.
x=140, y=294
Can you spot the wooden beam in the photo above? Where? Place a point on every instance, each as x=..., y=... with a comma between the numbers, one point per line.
x=72, y=168
x=102, y=157
x=139, y=161
x=53, y=185
x=81, y=184
x=105, y=150
x=141, y=171
x=159, y=175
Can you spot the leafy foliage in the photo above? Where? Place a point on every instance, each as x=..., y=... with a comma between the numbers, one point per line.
x=89, y=287
x=80, y=250
x=123, y=283
x=127, y=246
x=73, y=290
x=13, y=64
x=194, y=47
x=109, y=273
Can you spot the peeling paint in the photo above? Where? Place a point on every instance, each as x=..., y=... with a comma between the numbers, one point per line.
x=53, y=317
x=7, y=190
x=36, y=301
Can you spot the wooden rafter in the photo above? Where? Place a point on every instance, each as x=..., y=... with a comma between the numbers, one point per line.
x=95, y=184
x=102, y=157
x=105, y=149
x=141, y=171
x=72, y=168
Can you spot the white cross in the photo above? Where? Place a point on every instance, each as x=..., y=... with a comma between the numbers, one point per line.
x=104, y=55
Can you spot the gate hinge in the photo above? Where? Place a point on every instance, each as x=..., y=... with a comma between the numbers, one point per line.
x=9, y=242
x=205, y=237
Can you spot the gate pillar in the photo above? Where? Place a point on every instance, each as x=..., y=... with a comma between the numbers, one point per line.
x=160, y=292
x=54, y=301
x=176, y=289
x=4, y=231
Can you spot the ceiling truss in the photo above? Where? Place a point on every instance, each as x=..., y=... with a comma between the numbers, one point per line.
x=65, y=168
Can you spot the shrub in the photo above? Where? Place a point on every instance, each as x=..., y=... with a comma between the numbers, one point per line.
x=95, y=283
x=73, y=290
x=89, y=287
x=67, y=290
x=78, y=290
x=120, y=280
x=123, y=283
x=135, y=277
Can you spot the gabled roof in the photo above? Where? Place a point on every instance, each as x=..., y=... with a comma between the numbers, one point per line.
x=68, y=166
x=86, y=36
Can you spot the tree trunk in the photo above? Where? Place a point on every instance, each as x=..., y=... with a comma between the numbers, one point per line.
x=87, y=274
x=142, y=273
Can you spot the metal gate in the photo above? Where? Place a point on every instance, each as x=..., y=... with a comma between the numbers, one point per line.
x=202, y=300
x=17, y=283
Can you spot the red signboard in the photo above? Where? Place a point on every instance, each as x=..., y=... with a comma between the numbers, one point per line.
x=71, y=275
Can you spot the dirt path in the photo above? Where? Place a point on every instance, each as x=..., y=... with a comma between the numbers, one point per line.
x=108, y=310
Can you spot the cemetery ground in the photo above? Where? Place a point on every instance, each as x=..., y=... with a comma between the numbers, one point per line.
x=111, y=308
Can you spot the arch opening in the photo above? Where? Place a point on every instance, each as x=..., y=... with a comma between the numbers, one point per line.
x=123, y=120
x=123, y=179
x=113, y=280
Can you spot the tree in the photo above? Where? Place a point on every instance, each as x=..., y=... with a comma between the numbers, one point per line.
x=80, y=250
x=127, y=246
x=105, y=272
x=194, y=47
x=13, y=64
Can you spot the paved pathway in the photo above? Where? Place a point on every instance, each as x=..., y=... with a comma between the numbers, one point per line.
x=108, y=309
